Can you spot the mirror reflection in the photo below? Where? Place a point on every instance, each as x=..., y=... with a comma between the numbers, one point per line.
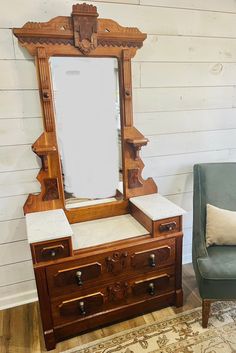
x=87, y=109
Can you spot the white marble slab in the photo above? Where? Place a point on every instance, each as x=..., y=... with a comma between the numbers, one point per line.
x=47, y=225
x=105, y=230
x=157, y=207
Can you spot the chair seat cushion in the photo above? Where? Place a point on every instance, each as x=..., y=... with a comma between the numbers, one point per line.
x=217, y=273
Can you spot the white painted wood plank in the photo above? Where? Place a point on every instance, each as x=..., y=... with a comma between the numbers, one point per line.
x=20, y=52
x=13, y=158
x=185, y=121
x=183, y=98
x=6, y=44
x=188, y=219
x=208, y=5
x=12, y=207
x=18, y=74
x=190, y=142
x=184, y=200
x=19, y=183
x=136, y=74
x=187, y=236
x=15, y=273
x=18, y=294
x=120, y=1
x=13, y=230
x=174, y=184
x=187, y=255
x=17, y=104
x=14, y=252
x=187, y=74
x=152, y=20
x=183, y=163
x=20, y=131
x=187, y=49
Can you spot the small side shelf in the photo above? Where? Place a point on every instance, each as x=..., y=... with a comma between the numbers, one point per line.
x=45, y=144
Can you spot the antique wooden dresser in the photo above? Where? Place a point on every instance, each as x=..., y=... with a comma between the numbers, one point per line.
x=98, y=257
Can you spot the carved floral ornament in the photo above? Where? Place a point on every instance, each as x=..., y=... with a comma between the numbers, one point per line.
x=82, y=30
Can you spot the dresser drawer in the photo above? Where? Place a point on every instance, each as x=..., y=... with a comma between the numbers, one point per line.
x=51, y=250
x=112, y=295
x=93, y=271
x=78, y=308
x=167, y=226
x=159, y=256
x=73, y=278
x=153, y=286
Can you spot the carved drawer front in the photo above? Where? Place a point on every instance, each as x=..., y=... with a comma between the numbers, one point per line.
x=162, y=255
x=167, y=226
x=51, y=250
x=154, y=285
x=77, y=308
x=63, y=281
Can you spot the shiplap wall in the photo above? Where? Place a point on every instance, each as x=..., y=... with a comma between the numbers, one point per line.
x=184, y=102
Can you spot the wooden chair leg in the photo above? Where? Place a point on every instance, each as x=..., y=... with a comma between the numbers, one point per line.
x=206, y=306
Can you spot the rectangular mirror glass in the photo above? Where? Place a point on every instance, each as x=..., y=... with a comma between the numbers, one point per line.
x=87, y=109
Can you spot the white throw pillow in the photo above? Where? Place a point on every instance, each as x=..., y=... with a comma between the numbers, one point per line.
x=220, y=226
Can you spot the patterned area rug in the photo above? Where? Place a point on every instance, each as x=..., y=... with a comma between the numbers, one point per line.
x=182, y=333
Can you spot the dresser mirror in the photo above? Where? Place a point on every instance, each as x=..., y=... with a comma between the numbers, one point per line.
x=89, y=148
x=87, y=115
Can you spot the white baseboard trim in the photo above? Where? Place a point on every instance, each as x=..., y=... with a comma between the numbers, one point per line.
x=18, y=299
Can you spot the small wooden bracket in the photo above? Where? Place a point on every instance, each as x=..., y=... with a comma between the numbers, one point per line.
x=136, y=145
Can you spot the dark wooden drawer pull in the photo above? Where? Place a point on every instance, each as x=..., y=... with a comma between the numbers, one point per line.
x=151, y=288
x=166, y=227
x=52, y=250
x=78, y=278
x=152, y=260
x=82, y=308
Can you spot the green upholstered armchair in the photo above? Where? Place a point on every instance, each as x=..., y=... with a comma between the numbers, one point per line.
x=215, y=266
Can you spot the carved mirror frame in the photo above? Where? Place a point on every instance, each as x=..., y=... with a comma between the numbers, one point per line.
x=84, y=34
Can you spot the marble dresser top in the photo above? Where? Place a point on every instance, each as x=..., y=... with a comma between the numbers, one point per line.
x=106, y=230
x=47, y=225
x=156, y=206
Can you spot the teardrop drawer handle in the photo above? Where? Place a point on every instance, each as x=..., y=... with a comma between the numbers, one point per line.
x=152, y=260
x=151, y=288
x=78, y=278
x=82, y=308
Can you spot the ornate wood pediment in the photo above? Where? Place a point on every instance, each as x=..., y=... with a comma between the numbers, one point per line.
x=82, y=29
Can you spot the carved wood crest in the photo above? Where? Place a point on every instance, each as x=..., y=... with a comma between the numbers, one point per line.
x=85, y=27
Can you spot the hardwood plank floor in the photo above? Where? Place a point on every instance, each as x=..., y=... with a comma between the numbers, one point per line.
x=20, y=327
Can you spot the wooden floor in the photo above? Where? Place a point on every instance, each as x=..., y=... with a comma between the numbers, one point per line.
x=20, y=330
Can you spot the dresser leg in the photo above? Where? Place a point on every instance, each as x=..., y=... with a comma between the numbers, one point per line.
x=49, y=339
x=179, y=298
